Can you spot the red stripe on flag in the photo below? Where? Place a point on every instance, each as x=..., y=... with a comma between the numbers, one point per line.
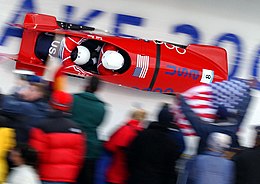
x=201, y=106
x=200, y=100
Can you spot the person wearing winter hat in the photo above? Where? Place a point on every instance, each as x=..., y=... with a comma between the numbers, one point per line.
x=24, y=78
x=88, y=112
x=160, y=139
x=211, y=166
x=25, y=109
x=66, y=142
x=61, y=101
x=226, y=122
x=218, y=142
x=166, y=118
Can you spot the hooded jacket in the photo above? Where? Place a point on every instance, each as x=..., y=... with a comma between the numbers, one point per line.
x=88, y=112
x=61, y=147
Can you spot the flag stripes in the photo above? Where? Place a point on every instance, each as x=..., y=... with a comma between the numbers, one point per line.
x=142, y=66
x=205, y=99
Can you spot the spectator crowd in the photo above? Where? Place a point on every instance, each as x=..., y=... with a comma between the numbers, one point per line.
x=50, y=136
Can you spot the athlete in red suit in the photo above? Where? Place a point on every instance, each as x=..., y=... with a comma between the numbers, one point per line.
x=110, y=60
x=72, y=55
x=78, y=55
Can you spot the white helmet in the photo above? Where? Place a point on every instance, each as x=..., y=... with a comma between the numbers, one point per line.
x=83, y=55
x=112, y=60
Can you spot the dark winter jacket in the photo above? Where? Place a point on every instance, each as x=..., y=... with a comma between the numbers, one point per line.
x=248, y=166
x=166, y=119
x=61, y=146
x=152, y=156
x=177, y=135
x=203, y=129
x=88, y=112
x=24, y=114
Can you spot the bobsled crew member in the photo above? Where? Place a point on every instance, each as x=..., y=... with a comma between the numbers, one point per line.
x=74, y=52
x=110, y=60
x=68, y=48
x=86, y=54
x=78, y=52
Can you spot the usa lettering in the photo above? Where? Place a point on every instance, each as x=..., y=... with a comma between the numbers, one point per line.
x=182, y=72
x=53, y=48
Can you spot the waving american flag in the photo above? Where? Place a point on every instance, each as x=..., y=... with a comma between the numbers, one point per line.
x=205, y=99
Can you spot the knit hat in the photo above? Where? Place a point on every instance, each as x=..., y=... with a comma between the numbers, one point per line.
x=218, y=141
x=61, y=100
x=34, y=78
x=28, y=75
x=165, y=116
x=222, y=112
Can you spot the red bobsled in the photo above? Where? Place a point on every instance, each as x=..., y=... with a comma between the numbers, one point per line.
x=150, y=65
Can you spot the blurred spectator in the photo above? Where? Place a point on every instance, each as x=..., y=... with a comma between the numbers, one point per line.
x=7, y=141
x=25, y=160
x=88, y=111
x=20, y=84
x=23, y=80
x=102, y=165
x=25, y=109
x=232, y=152
x=59, y=142
x=117, y=145
x=248, y=163
x=167, y=117
x=210, y=166
x=152, y=155
x=226, y=122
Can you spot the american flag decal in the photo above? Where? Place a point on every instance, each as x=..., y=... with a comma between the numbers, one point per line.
x=142, y=65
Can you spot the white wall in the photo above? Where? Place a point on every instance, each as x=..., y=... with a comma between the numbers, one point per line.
x=210, y=19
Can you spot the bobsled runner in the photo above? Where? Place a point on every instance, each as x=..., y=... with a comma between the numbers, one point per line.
x=149, y=65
